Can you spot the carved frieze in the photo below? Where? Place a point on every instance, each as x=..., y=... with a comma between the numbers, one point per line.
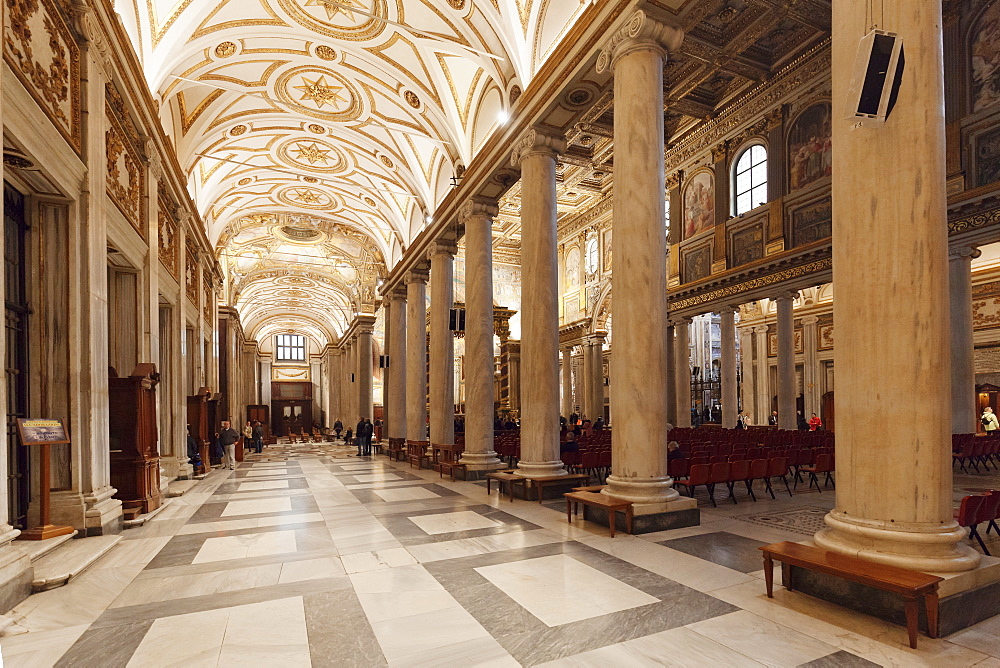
x=734, y=290
x=41, y=51
x=209, y=301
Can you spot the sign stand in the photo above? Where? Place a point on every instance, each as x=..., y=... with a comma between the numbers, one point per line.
x=43, y=433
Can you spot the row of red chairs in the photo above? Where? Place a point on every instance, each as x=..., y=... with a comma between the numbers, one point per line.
x=730, y=473
x=976, y=509
x=976, y=451
x=763, y=435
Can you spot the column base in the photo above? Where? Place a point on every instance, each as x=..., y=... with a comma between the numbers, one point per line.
x=966, y=598
x=540, y=469
x=481, y=461
x=104, y=514
x=177, y=468
x=649, y=518
x=918, y=547
x=642, y=491
x=16, y=572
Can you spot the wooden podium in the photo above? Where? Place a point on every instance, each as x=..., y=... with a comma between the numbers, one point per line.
x=43, y=434
x=135, y=458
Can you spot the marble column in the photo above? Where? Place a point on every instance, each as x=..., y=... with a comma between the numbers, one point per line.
x=595, y=348
x=416, y=356
x=479, y=455
x=333, y=381
x=636, y=53
x=586, y=387
x=746, y=374
x=365, y=377
x=397, y=367
x=536, y=155
x=892, y=327
x=671, y=374
x=727, y=369
x=567, y=381
x=682, y=371
x=787, y=385
x=810, y=367
x=964, y=413
x=763, y=375
x=442, y=347
x=265, y=381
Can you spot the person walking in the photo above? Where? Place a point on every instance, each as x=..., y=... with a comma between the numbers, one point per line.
x=815, y=423
x=338, y=427
x=258, y=437
x=359, y=435
x=989, y=420
x=227, y=439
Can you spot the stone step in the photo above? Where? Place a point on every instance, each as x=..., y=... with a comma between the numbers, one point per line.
x=62, y=565
x=139, y=520
x=36, y=549
x=180, y=488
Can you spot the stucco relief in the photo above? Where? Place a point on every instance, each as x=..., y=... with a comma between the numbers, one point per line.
x=42, y=53
x=191, y=273
x=986, y=313
x=168, y=240
x=126, y=178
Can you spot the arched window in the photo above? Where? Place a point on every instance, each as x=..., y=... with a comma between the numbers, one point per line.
x=290, y=347
x=750, y=180
x=592, y=255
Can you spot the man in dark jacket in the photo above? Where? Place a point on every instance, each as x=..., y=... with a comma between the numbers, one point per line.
x=227, y=438
x=338, y=427
x=359, y=435
x=369, y=433
x=258, y=437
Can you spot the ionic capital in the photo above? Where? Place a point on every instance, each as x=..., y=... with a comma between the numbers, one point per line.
x=480, y=207
x=538, y=141
x=441, y=247
x=788, y=295
x=638, y=32
x=397, y=294
x=416, y=275
x=963, y=252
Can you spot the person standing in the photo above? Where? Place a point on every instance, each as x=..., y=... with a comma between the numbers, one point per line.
x=369, y=432
x=359, y=435
x=227, y=439
x=989, y=420
x=338, y=427
x=773, y=420
x=258, y=437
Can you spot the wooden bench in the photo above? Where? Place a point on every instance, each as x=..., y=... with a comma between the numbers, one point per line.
x=590, y=488
x=541, y=483
x=598, y=500
x=911, y=585
x=450, y=467
x=503, y=477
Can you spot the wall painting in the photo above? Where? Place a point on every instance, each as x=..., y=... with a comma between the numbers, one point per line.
x=810, y=154
x=699, y=204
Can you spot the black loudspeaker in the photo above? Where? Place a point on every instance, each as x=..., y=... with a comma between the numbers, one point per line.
x=383, y=361
x=878, y=72
x=456, y=320
x=352, y=377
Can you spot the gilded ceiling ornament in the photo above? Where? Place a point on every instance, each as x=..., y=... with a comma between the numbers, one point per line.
x=316, y=129
x=386, y=161
x=325, y=52
x=319, y=93
x=412, y=99
x=238, y=130
x=456, y=4
x=310, y=179
x=515, y=94
x=369, y=201
x=225, y=50
x=245, y=182
x=342, y=7
x=312, y=153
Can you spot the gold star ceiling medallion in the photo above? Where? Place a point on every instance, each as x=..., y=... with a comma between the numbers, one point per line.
x=318, y=92
x=312, y=153
x=341, y=7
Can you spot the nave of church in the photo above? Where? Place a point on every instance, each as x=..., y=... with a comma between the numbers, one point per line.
x=329, y=314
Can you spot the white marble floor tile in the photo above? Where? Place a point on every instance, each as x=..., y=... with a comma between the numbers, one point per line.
x=260, y=486
x=29, y=650
x=418, y=633
x=271, y=633
x=478, y=652
x=220, y=525
x=405, y=494
x=983, y=637
x=468, y=547
x=137, y=552
x=273, y=472
x=361, y=562
x=191, y=639
x=310, y=569
x=257, y=506
x=377, y=477
x=382, y=607
x=466, y=520
x=395, y=580
x=559, y=589
x=153, y=589
x=676, y=647
x=762, y=639
x=280, y=520
x=246, y=546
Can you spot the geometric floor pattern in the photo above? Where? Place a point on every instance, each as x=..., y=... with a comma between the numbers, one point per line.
x=308, y=555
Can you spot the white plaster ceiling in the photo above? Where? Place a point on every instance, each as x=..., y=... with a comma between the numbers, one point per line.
x=352, y=114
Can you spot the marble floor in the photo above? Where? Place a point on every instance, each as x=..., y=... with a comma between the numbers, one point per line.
x=309, y=555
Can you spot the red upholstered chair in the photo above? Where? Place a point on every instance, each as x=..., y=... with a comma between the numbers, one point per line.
x=989, y=512
x=969, y=514
x=697, y=459
x=678, y=468
x=758, y=471
x=739, y=471
x=777, y=467
x=720, y=474
x=698, y=474
x=996, y=515
x=824, y=464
